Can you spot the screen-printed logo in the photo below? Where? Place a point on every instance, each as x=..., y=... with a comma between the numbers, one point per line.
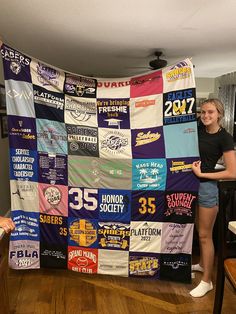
x=83, y=232
x=180, y=71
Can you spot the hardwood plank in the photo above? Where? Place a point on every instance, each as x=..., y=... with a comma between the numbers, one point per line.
x=109, y=301
x=28, y=293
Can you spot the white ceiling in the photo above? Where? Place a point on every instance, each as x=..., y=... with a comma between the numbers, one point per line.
x=110, y=38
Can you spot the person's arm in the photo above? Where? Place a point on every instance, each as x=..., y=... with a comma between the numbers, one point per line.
x=228, y=174
x=7, y=224
x=1, y=42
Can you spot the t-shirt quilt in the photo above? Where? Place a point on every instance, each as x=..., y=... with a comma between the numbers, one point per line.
x=100, y=169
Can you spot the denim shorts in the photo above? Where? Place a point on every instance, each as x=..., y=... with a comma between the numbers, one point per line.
x=208, y=194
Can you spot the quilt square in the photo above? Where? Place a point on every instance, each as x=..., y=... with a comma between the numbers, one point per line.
x=148, y=143
x=83, y=260
x=149, y=174
x=53, y=199
x=113, y=113
x=147, y=205
x=147, y=84
x=16, y=65
x=146, y=111
x=83, y=202
x=80, y=111
x=15, y=92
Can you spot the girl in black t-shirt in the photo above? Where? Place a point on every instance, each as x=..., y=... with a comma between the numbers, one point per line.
x=214, y=142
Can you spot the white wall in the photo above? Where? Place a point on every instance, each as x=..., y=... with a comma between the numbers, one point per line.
x=4, y=167
x=205, y=87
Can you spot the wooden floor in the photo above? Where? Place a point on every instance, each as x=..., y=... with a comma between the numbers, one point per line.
x=51, y=291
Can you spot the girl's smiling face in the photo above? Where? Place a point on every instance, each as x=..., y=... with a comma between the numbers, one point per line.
x=209, y=114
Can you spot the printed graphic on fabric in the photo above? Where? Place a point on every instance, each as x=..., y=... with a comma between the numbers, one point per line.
x=24, y=254
x=116, y=173
x=148, y=143
x=176, y=238
x=24, y=195
x=178, y=76
x=83, y=202
x=80, y=86
x=84, y=171
x=179, y=106
x=149, y=174
x=146, y=112
x=53, y=199
x=145, y=236
x=83, y=260
x=180, y=176
x=180, y=206
x=15, y=64
x=23, y=165
x=147, y=205
x=114, y=205
x=114, y=88
x=48, y=105
x=52, y=168
x=181, y=140
x=53, y=255
x=51, y=136
x=19, y=99
x=80, y=111
x=113, y=113
x=144, y=265
x=22, y=132
x=82, y=140
x=27, y=226
x=113, y=235
x=177, y=266
x=53, y=229
x=46, y=76
x=148, y=84
x=115, y=143
x=82, y=232
x=111, y=262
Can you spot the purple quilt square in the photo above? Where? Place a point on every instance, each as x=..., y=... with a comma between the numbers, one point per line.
x=180, y=175
x=83, y=202
x=144, y=265
x=22, y=132
x=114, y=113
x=147, y=205
x=52, y=169
x=16, y=65
x=148, y=143
x=82, y=232
x=113, y=235
x=53, y=229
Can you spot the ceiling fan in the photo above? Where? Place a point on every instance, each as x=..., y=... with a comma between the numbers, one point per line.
x=157, y=63
x=154, y=64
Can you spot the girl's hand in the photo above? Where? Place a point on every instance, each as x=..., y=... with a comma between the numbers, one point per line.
x=7, y=224
x=196, y=167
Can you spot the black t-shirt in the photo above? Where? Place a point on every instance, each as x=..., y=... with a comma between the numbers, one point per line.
x=212, y=147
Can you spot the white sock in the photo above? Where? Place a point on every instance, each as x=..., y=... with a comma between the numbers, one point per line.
x=197, y=267
x=201, y=289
